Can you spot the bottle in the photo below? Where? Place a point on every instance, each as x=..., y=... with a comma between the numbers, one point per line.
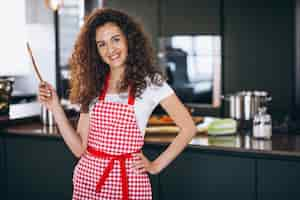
x=262, y=124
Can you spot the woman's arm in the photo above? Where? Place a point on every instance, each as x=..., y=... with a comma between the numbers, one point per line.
x=75, y=140
x=184, y=121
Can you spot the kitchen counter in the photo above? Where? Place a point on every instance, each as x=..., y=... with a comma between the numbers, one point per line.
x=237, y=166
x=284, y=145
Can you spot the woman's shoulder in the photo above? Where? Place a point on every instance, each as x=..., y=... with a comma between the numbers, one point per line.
x=150, y=85
x=156, y=81
x=157, y=91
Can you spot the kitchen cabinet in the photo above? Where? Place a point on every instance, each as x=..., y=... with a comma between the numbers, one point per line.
x=195, y=175
x=188, y=17
x=278, y=179
x=152, y=153
x=167, y=17
x=2, y=169
x=255, y=54
x=144, y=11
x=38, y=168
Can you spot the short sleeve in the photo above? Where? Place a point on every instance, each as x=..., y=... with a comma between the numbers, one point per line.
x=157, y=93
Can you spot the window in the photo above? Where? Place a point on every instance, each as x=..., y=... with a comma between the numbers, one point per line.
x=193, y=64
x=203, y=54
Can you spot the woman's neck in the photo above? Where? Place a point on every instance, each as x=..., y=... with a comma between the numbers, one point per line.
x=116, y=76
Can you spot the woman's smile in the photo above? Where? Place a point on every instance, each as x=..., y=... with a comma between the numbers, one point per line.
x=114, y=57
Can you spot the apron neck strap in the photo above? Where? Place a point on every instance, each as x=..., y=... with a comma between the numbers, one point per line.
x=131, y=97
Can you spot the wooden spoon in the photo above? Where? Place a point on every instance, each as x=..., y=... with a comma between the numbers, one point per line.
x=34, y=63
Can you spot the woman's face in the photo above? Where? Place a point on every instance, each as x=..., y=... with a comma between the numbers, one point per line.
x=112, y=45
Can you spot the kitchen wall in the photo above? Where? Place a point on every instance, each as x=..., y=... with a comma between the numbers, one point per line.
x=40, y=34
x=258, y=39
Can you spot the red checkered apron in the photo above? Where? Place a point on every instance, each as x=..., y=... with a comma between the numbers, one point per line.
x=104, y=171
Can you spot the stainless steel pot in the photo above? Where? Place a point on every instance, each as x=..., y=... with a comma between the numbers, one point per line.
x=244, y=105
x=6, y=86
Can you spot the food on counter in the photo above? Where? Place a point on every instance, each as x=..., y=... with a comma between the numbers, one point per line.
x=222, y=127
x=166, y=118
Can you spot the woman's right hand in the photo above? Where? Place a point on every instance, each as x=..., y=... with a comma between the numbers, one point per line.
x=47, y=96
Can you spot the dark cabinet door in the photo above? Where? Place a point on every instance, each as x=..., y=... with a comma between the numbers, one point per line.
x=278, y=180
x=197, y=175
x=144, y=11
x=253, y=47
x=152, y=153
x=2, y=169
x=189, y=17
x=38, y=168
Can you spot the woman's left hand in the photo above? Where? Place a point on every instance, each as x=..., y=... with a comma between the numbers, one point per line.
x=141, y=164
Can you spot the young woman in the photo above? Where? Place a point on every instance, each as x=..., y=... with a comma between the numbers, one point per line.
x=117, y=84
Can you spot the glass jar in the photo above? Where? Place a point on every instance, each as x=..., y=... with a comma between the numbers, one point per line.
x=262, y=124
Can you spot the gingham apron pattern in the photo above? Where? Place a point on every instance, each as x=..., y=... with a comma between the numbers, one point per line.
x=105, y=170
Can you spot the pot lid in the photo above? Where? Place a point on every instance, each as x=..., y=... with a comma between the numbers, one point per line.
x=252, y=93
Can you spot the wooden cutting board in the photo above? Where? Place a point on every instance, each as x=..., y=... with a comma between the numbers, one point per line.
x=169, y=129
x=165, y=120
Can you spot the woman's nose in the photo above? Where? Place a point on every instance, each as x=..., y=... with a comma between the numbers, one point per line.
x=110, y=48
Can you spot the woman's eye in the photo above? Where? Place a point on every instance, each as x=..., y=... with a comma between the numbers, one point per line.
x=116, y=39
x=100, y=45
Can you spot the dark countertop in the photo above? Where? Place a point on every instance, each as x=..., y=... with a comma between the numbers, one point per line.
x=280, y=145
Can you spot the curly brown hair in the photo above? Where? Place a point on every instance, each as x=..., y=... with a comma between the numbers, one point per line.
x=88, y=70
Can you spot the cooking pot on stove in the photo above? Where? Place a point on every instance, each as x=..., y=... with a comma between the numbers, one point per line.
x=244, y=105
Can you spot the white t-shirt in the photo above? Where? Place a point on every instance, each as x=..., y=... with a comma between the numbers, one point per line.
x=144, y=105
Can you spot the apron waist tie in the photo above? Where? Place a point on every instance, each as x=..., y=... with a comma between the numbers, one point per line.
x=121, y=158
